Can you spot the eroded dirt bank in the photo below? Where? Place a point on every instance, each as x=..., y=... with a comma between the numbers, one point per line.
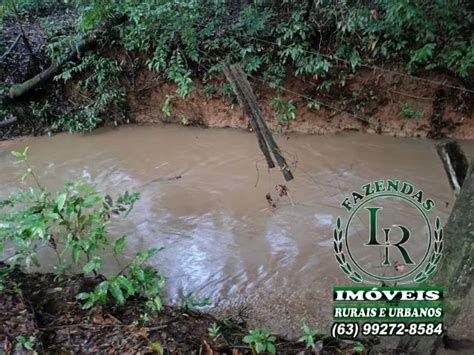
x=372, y=102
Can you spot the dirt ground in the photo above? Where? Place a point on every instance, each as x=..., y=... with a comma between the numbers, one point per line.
x=371, y=102
x=43, y=306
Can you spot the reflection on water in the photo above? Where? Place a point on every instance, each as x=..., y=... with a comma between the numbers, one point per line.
x=221, y=237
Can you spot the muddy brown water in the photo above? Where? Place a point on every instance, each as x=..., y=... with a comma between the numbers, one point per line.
x=220, y=236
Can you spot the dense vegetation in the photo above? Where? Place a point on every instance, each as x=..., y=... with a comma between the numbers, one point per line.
x=73, y=223
x=189, y=41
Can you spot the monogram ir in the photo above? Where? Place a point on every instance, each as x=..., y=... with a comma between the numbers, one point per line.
x=388, y=236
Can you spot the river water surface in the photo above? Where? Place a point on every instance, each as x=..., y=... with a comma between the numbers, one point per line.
x=221, y=237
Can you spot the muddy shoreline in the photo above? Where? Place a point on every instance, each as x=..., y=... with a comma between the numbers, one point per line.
x=43, y=306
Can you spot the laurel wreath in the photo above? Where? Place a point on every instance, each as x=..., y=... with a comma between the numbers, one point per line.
x=341, y=259
x=435, y=255
x=423, y=275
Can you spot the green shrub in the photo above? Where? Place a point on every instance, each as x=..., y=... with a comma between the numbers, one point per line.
x=73, y=222
x=100, y=94
x=285, y=109
x=407, y=112
x=185, y=40
x=260, y=341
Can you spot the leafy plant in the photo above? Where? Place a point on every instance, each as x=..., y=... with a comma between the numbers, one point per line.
x=41, y=111
x=209, y=90
x=260, y=341
x=100, y=92
x=139, y=280
x=165, y=109
x=359, y=348
x=59, y=48
x=407, y=112
x=25, y=343
x=313, y=105
x=320, y=40
x=74, y=222
x=227, y=92
x=214, y=332
x=308, y=337
x=285, y=109
x=188, y=301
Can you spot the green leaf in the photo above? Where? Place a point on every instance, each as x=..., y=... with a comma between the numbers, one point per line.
x=248, y=339
x=126, y=284
x=260, y=347
x=102, y=288
x=157, y=303
x=60, y=201
x=119, y=245
x=93, y=265
x=359, y=347
x=88, y=304
x=156, y=348
x=90, y=201
x=117, y=293
x=16, y=154
x=306, y=329
x=75, y=253
x=83, y=296
x=140, y=275
x=271, y=348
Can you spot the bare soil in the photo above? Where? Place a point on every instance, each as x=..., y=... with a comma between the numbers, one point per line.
x=371, y=102
x=43, y=306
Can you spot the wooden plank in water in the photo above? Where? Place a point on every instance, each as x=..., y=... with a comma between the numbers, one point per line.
x=248, y=102
x=246, y=108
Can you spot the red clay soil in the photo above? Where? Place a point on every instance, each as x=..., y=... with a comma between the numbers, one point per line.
x=370, y=102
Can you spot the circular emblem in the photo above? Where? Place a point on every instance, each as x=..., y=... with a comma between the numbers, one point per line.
x=388, y=236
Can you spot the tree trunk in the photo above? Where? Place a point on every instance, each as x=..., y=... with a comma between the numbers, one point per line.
x=18, y=90
x=86, y=43
x=456, y=270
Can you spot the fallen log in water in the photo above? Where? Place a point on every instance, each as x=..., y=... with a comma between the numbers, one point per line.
x=249, y=105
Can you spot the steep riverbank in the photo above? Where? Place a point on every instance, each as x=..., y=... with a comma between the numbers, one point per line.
x=376, y=98
x=371, y=102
